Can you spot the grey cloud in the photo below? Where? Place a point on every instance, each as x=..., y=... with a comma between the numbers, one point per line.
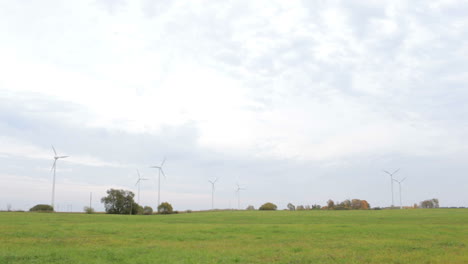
x=416, y=80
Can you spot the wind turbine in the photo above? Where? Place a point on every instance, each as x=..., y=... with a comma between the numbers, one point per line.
x=54, y=166
x=139, y=183
x=399, y=184
x=391, y=180
x=238, y=195
x=212, y=191
x=160, y=171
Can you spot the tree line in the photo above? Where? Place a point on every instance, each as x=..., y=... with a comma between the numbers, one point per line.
x=122, y=202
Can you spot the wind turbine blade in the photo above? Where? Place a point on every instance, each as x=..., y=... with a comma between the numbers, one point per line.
x=54, y=150
x=62, y=157
x=155, y=167
x=137, y=182
x=53, y=165
x=403, y=179
x=216, y=179
x=162, y=173
x=164, y=160
x=138, y=173
x=387, y=172
x=396, y=171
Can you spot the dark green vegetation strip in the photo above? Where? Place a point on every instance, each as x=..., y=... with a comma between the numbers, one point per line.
x=387, y=236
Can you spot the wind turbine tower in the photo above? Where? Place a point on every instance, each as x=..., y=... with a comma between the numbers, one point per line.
x=238, y=189
x=139, y=183
x=160, y=171
x=399, y=185
x=212, y=191
x=391, y=181
x=54, y=166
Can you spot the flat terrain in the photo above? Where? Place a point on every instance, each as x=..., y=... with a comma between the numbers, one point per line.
x=387, y=236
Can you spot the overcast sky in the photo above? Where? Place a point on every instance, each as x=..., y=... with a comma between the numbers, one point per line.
x=297, y=101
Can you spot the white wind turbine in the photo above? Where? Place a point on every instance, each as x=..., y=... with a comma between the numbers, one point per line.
x=391, y=181
x=54, y=166
x=160, y=171
x=399, y=185
x=238, y=189
x=212, y=191
x=139, y=183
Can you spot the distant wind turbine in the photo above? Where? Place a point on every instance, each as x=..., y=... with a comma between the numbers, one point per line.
x=238, y=189
x=391, y=181
x=54, y=166
x=399, y=185
x=139, y=183
x=212, y=191
x=160, y=171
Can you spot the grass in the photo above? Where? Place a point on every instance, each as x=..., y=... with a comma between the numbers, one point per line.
x=386, y=236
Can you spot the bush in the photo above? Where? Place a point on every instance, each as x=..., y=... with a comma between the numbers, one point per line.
x=165, y=208
x=147, y=210
x=88, y=210
x=291, y=207
x=42, y=208
x=140, y=210
x=250, y=208
x=268, y=206
x=433, y=203
x=316, y=207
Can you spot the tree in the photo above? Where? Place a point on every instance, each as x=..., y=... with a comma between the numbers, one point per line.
x=330, y=204
x=120, y=202
x=147, y=210
x=365, y=205
x=291, y=207
x=268, y=206
x=432, y=203
x=355, y=204
x=250, y=208
x=165, y=208
x=88, y=210
x=42, y=208
x=345, y=205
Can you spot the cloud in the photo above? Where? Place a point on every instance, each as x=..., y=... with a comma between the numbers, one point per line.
x=315, y=88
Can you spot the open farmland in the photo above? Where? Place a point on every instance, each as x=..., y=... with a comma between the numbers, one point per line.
x=387, y=236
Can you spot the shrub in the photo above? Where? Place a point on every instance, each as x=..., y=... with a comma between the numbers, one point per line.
x=268, y=206
x=147, y=210
x=250, y=208
x=316, y=207
x=42, y=208
x=140, y=209
x=433, y=203
x=291, y=207
x=165, y=208
x=88, y=210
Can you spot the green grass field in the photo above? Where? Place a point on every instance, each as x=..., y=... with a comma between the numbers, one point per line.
x=387, y=236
